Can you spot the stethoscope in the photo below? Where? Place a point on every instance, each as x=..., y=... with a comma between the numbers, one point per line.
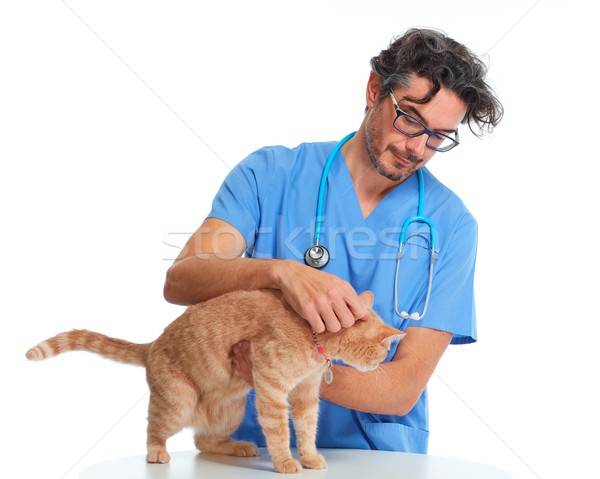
x=318, y=256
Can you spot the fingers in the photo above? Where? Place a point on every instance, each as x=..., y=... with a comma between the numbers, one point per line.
x=344, y=315
x=323, y=299
x=333, y=310
x=358, y=309
x=330, y=319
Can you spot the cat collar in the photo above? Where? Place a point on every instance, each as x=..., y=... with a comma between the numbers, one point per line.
x=328, y=371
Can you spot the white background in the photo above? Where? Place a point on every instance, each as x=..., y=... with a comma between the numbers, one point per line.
x=120, y=119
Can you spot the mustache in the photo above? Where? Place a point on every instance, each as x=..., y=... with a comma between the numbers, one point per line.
x=412, y=158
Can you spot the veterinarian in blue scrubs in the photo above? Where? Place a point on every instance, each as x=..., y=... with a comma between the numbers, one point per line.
x=266, y=209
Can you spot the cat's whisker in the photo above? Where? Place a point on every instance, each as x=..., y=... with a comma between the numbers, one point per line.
x=379, y=373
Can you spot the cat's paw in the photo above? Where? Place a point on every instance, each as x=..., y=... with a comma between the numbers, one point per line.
x=244, y=449
x=158, y=456
x=315, y=461
x=288, y=466
x=228, y=447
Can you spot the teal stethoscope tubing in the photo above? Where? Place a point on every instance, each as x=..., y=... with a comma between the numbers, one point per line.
x=323, y=185
x=419, y=218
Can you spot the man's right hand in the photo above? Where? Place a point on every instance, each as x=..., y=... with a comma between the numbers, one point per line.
x=324, y=300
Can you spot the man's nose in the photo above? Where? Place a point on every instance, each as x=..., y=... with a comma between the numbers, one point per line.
x=416, y=146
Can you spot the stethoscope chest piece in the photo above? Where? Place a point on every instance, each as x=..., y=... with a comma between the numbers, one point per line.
x=316, y=256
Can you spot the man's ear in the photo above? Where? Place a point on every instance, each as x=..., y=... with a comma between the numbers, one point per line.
x=373, y=89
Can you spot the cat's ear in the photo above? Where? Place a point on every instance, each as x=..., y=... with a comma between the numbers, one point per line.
x=391, y=335
x=367, y=298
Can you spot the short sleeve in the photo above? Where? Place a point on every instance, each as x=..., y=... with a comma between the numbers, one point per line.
x=452, y=303
x=239, y=198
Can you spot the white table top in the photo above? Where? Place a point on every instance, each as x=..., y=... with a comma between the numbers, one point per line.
x=342, y=463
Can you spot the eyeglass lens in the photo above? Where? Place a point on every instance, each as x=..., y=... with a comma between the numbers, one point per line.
x=411, y=127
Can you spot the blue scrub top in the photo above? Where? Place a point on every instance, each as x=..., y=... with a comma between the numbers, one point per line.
x=271, y=197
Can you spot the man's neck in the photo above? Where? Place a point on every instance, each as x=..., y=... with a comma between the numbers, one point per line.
x=370, y=186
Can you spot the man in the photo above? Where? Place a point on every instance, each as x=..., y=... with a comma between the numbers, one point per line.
x=419, y=91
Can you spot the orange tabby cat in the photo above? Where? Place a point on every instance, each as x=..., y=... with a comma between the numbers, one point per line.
x=194, y=384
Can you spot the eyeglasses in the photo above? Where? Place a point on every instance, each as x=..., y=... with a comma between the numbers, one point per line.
x=411, y=127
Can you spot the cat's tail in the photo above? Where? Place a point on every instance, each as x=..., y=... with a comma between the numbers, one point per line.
x=84, y=340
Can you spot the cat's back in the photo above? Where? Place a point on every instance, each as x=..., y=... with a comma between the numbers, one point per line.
x=243, y=307
x=235, y=316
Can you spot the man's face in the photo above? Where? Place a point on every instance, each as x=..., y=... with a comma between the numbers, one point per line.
x=395, y=155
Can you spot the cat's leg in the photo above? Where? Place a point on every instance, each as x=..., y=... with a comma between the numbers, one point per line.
x=272, y=409
x=215, y=425
x=304, y=403
x=170, y=410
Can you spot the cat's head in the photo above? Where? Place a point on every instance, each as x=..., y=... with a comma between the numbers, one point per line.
x=367, y=343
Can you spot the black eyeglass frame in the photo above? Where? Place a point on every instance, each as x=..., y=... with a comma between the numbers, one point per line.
x=426, y=130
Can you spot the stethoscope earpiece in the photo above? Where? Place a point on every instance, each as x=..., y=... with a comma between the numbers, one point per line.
x=316, y=256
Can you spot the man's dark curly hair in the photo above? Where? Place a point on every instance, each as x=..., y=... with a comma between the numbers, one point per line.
x=446, y=63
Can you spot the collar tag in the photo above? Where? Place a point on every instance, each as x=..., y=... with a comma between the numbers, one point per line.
x=328, y=371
